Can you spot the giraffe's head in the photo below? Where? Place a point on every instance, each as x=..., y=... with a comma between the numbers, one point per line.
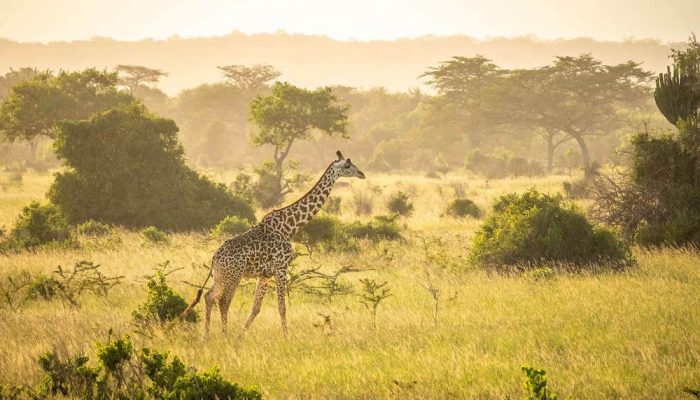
x=345, y=167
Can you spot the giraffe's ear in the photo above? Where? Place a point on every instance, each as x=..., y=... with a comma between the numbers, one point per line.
x=340, y=155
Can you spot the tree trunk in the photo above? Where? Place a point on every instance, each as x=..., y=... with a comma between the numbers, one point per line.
x=585, y=157
x=550, y=154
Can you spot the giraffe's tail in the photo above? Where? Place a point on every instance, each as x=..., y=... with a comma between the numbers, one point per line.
x=194, y=302
x=196, y=299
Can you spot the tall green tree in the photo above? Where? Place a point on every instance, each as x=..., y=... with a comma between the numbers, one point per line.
x=36, y=107
x=126, y=167
x=290, y=114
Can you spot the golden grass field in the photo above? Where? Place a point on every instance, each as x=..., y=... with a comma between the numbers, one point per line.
x=630, y=335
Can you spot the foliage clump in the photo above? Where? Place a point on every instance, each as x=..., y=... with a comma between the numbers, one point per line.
x=532, y=227
x=231, y=226
x=145, y=182
x=495, y=166
x=535, y=384
x=162, y=303
x=400, y=203
x=463, y=207
x=38, y=225
x=124, y=372
x=154, y=235
x=93, y=228
x=658, y=201
x=381, y=227
x=331, y=234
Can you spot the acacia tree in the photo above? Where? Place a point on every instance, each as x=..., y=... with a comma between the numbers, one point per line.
x=290, y=114
x=581, y=97
x=133, y=76
x=249, y=79
x=465, y=86
x=35, y=107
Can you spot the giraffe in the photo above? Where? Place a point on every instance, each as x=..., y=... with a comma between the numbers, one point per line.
x=265, y=250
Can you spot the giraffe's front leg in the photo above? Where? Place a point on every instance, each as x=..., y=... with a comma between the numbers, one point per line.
x=260, y=289
x=281, y=277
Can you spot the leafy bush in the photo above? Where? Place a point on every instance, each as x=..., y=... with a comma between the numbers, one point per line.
x=145, y=182
x=154, y=235
x=123, y=372
x=43, y=287
x=162, y=303
x=399, y=203
x=321, y=230
x=533, y=227
x=38, y=225
x=381, y=227
x=93, y=228
x=535, y=384
x=231, y=226
x=462, y=207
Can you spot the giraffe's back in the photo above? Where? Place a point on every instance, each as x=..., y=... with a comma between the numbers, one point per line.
x=254, y=253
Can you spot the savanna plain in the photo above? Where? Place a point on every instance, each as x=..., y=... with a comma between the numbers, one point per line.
x=631, y=334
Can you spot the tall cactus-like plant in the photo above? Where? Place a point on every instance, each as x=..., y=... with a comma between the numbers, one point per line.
x=678, y=97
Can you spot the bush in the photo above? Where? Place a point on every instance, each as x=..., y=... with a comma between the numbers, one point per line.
x=38, y=225
x=532, y=227
x=231, y=226
x=123, y=372
x=535, y=384
x=145, y=181
x=381, y=227
x=162, y=303
x=462, y=207
x=93, y=228
x=154, y=235
x=500, y=166
x=321, y=230
x=399, y=204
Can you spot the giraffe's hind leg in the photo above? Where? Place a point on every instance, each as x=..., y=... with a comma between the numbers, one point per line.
x=257, y=300
x=225, y=300
x=212, y=296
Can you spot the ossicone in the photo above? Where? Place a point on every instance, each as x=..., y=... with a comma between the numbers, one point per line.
x=340, y=155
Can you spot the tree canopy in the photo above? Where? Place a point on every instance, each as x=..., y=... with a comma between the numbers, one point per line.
x=35, y=107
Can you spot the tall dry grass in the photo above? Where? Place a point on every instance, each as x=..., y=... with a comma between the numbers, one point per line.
x=627, y=335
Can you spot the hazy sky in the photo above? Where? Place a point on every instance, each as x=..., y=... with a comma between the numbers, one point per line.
x=53, y=20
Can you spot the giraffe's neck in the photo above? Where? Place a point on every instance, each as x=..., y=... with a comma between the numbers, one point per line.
x=287, y=221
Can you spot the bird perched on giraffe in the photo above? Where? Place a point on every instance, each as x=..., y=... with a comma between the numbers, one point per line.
x=265, y=250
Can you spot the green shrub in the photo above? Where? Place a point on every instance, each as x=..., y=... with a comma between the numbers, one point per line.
x=122, y=372
x=399, y=203
x=535, y=384
x=162, y=303
x=231, y=226
x=145, y=181
x=532, y=227
x=321, y=230
x=38, y=225
x=462, y=207
x=93, y=228
x=154, y=235
x=381, y=227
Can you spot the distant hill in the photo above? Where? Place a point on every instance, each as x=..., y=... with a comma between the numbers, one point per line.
x=317, y=60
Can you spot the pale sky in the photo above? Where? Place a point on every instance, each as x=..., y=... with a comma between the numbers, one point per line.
x=56, y=20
